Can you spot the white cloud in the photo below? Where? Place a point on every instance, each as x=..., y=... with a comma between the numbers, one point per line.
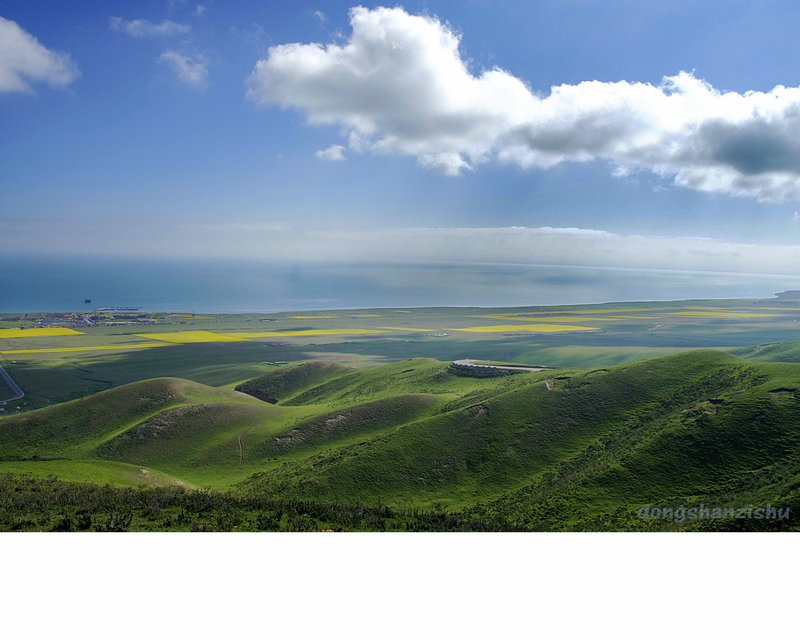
x=320, y=16
x=200, y=10
x=281, y=241
x=400, y=85
x=540, y=245
x=146, y=29
x=566, y=246
x=191, y=70
x=334, y=153
x=24, y=60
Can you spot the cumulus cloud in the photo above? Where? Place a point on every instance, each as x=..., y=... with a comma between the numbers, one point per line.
x=334, y=153
x=145, y=29
x=400, y=85
x=191, y=70
x=24, y=60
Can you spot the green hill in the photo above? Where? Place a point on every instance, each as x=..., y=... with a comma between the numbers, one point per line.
x=346, y=425
x=557, y=449
x=198, y=434
x=418, y=375
x=772, y=352
x=286, y=382
x=739, y=448
x=504, y=440
x=77, y=427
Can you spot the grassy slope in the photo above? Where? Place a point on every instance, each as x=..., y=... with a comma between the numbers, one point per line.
x=418, y=375
x=200, y=434
x=773, y=352
x=472, y=452
x=284, y=383
x=68, y=376
x=739, y=449
x=74, y=429
x=215, y=445
x=554, y=449
x=95, y=471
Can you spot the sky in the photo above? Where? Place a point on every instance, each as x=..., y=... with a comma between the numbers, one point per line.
x=568, y=132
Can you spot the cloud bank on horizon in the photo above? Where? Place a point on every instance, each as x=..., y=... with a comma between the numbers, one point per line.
x=400, y=85
x=510, y=245
x=24, y=60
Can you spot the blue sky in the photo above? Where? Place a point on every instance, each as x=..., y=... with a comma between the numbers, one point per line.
x=151, y=130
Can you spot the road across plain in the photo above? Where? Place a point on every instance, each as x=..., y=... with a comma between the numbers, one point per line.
x=19, y=393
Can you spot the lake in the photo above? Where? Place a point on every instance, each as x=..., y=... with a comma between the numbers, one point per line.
x=60, y=283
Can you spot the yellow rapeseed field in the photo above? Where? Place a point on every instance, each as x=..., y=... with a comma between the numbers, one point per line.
x=625, y=313
x=304, y=332
x=614, y=311
x=720, y=314
x=105, y=348
x=742, y=309
x=38, y=332
x=183, y=337
x=540, y=328
x=559, y=319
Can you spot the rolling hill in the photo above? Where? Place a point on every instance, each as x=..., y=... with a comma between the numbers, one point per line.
x=557, y=449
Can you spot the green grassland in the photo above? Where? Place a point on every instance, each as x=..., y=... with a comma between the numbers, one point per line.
x=562, y=449
x=626, y=332
x=98, y=472
x=661, y=404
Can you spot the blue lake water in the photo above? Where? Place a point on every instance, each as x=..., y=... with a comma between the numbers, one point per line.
x=48, y=283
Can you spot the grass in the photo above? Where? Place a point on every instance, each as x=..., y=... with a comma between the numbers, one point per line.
x=75, y=429
x=65, y=376
x=126, y=347
x=558, y=449
x=56, y=368
x=775, y=352
x=281, y=384
x=537, y=328
x=38, y=332
x=190, y=336
x=524, y=317
x=95, y=471
x=738, y=449
x=577, y=448
x=497, y=441
x=721, y=314
x=305, y=332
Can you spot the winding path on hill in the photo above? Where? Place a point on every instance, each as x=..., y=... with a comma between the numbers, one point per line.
x=18, y=393
x=472, y=363
x=241, y=446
